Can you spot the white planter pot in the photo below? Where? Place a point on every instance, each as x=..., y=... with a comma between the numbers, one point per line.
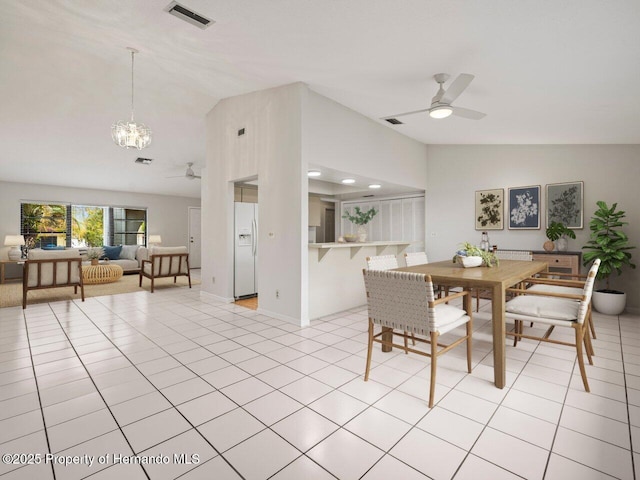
x=562, y=244
x=609, y=303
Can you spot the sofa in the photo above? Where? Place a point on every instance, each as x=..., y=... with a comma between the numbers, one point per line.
x=129, y=257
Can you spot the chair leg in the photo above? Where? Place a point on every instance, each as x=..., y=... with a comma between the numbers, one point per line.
x=591, y=326
x=516, y=331
x=369, y=348
x=477, y=299
x=579, y=334
x=469, y=346
x=406, y=343
x=588, y=345
x=434, y=364
x=140, y=280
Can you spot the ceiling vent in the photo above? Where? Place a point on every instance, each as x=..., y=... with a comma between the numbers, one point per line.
x=144, y=161
x=189, y=16
x=394, y=121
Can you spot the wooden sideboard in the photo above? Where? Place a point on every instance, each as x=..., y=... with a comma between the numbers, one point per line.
x=566, y=262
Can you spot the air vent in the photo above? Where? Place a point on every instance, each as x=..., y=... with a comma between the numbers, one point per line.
x=394, y=121
x=144, y=161
x=189, y=16
x=367, y=196
x=241, y=132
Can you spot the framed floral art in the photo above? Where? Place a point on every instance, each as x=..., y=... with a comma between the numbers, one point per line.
x=524, y=208
x=489, y=209
x=565, y=204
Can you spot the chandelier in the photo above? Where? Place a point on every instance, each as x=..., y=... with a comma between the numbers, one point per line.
x=129, y=134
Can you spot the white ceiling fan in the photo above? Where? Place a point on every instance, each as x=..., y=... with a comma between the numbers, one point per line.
x=441, y=103
x=189, y=174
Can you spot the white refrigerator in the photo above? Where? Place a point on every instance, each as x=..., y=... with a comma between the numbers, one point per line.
x=246, y=249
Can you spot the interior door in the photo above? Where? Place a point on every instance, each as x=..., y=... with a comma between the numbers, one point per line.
x=195, y=240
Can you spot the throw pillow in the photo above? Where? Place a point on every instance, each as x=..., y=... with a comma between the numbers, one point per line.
x=112, y=253
x=129, y=252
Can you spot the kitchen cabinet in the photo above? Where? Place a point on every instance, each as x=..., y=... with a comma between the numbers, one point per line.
x=315, y=212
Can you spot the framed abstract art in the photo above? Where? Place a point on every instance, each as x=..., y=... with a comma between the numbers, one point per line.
x=524, y=208
x=489, y=209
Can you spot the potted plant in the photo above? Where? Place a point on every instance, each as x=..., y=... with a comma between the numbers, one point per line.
x=94, y=254
x=611, y=245
x=558, y=233
x=472, y=256
x=360, y=219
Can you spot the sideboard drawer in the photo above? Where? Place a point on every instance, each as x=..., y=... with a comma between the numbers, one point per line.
x=569, y=262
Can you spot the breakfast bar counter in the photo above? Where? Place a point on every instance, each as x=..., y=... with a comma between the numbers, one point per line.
x=335, y=273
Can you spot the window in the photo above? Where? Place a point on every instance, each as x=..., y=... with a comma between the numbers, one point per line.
x=46, y=225
x=128, y=226
x=65, y=225
x=87, y=226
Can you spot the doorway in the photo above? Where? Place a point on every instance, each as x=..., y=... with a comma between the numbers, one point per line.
x=195, y=241
x=330, y=225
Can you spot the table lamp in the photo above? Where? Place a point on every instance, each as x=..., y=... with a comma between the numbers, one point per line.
x=14, y=241
x=155, y=240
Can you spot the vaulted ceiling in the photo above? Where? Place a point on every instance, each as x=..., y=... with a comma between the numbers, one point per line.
x=547, y=72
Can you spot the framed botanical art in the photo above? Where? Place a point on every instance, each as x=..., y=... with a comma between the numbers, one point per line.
x=489, y=209
x=524, y=208
x=565, y=204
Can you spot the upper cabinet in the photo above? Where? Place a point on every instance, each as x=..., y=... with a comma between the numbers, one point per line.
x=315, y=212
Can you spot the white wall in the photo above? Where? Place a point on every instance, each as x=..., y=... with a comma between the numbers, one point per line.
x=337, y=137
x=270, y=150
x=455, y=172
x=166, y=215
x=286, y=129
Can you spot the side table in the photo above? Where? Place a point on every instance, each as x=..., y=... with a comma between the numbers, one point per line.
x=9, y=262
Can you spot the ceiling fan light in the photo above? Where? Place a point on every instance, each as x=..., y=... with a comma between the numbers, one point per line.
x=440, y=112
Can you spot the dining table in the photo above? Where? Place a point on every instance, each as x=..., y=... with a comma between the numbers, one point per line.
x=496, y=279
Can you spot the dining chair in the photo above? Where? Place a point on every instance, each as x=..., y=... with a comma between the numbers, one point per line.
x=415, y=258
x=569, y=283
x=385, y=262
x=382, y=262
x=556, y=310
x=523, y=255
x=405, y=302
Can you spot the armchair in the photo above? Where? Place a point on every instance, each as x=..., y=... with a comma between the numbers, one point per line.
x=52, y=269
x=164, y=262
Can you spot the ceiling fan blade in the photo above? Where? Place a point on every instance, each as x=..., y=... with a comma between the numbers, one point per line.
x=405, y=113
x=466, y=113
x=457, y=87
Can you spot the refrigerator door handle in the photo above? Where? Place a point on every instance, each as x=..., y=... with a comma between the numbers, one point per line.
x=254, y=236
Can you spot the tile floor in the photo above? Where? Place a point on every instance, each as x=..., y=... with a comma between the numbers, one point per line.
x=203, y=390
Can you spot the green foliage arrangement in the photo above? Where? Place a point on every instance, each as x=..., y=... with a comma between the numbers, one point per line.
x=468, y=250
x=557, y=230
x=608, y=242
x=359, y=217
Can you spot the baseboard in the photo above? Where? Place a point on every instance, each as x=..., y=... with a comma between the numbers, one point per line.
x=217, y=297
x=632, y=311
x=285, y=318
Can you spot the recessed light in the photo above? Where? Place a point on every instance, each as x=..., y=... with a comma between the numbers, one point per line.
x=348, y=181
x=314, y=173
x=375, y=185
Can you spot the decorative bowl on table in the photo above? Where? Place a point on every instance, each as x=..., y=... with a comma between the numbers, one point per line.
x=350, y=237
x=469, y=262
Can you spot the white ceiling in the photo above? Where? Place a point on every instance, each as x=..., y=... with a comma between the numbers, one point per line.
x=547, y=72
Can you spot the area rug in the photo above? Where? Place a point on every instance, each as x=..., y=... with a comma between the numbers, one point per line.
x=11, y=293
